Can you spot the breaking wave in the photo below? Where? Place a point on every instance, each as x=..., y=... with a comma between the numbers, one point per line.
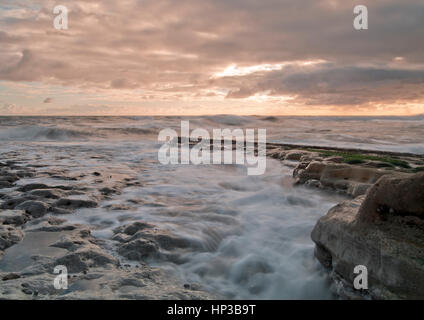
x=40, y=133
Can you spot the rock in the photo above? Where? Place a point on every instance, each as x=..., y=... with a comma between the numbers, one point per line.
x=11, y=276
x=14, y=202
x=36, y=209
x=9, y=178
x=131, y=229
x=294, y=155
x=139, y=249
x=57, y=210
x=82, y=260
x=309, y=171
x=335, y=159
x=345, y=178
x=5, y=184
x=74, y=203
x=393, y=252
x=47, y=193
x=107, y=191
x=25, y=174
x=9, y=236
x=313, y=183
x=358, y=189
x=400, y=194
x=33, y=186
x=164, y=239
x=15, y=217
x=27, y=291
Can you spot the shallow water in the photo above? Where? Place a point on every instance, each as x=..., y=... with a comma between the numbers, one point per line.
x=249, y=236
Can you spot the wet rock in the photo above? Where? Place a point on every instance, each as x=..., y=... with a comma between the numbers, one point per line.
x=27, y=291
x=313, y=183
x=133, y=228
x=5, y=184
x=33, y=186
x=78, y=239
x=49, y=224
x=15, y=217
x=163, y=238
x=392, y=250
x=11, y=178
x=82, y=260
x=400, y=194
x=294, y=155
x=25, y=174
x=344, y=178
x=358, y=189
x=118, y=207
x=139, y=249
x=36, y=209
x=107, y=191
x=11, y=276
x=9, y=236
x=47, y=193
x=121, y=237
x=74, y=203
x=14, y=202
x=61, y=211
x=309, y=171
x=335, y=159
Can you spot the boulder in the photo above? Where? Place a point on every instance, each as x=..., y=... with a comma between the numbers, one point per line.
x=294, y=155
x=36, y=209
x=382, y=230
x=47, y=193
x=12, y=203
x=139, y=249
x=74, y=203
x=86, y=258
x=33, y=186
x=345, y=178
x=133, y=228
x=15, y=217
x=9, y=236
x=5, y=184
x=401, y=194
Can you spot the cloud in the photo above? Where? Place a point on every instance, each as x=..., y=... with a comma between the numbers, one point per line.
x=175, y=49
x=330, y=84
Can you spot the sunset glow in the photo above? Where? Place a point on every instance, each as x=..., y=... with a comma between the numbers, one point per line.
x=167, y=57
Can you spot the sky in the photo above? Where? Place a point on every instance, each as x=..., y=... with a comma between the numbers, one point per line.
x=201, y=57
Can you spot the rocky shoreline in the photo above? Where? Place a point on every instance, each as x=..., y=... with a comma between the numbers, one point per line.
x=381, y=227
x=35, y=238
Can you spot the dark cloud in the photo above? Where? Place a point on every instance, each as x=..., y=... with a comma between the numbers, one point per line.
x=333, y=85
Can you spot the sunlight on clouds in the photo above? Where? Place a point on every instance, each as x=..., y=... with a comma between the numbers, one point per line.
x=236, y=71
x=196, y=57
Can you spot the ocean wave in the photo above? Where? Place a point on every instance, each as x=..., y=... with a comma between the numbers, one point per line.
x=41, y=133
x=131, y=130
